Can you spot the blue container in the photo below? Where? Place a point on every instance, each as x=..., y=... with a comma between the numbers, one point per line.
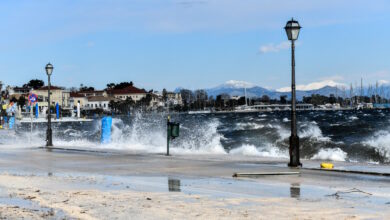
x=36, y=110
x=58, y=111
x=11, y=122
x=106, y=130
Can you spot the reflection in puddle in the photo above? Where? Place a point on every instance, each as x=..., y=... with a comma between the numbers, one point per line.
x=295, y=190
x=174, y=185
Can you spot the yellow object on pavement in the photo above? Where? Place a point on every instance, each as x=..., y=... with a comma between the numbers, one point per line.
x=327, y=165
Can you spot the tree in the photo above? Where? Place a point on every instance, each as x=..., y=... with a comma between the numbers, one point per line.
x=121, y=85
x=145, y=101
x=21, y=101
x=110, y=85
x=34, y=83
x=87, y=89
x=164, y=94
x=201, y=97
x=283, y=99
x=187, y=96
x=265, y=99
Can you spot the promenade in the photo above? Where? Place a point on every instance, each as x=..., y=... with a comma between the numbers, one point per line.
x=35, y=183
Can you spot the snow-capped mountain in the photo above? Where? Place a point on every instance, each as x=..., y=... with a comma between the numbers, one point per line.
x=237, y=88
x=325, y=88
x=235, y=84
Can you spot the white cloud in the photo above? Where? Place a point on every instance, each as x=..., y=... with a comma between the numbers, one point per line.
x=383, y=82
x=313, y=86
x=274, y=48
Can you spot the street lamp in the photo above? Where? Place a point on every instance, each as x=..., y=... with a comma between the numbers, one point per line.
x=292, y=30
x=49, y=142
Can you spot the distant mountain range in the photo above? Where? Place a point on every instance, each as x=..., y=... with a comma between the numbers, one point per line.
x=237, y=88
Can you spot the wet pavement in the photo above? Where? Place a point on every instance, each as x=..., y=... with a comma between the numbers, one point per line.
x=204, y=175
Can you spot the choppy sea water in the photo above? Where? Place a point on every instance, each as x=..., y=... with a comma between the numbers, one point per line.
x=352, y=136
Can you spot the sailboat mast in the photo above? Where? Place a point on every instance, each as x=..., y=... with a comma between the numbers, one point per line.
x=246, y=102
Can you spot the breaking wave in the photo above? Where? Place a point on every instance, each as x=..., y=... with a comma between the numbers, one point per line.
x=337, y=136
x=335, y=154
x=380, y=141
x=266, y=151
x=312, y=131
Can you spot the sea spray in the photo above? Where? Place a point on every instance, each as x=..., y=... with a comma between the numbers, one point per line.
x=335, y=154
x=364, y=139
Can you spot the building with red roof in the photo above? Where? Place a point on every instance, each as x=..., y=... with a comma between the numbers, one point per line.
x=132, y=92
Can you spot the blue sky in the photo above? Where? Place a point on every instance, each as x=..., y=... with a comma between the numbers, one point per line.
x=193, y=43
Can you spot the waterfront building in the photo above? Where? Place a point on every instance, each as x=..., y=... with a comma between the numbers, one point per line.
x=75, y=98
x=132, y=92
x=174, y=98
x=93, y=93
x=17, y=92
x=58, y=95
x=98, y=102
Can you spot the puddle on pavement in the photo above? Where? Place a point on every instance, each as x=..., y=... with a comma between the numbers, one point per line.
x=212, y=187
x=26, y=204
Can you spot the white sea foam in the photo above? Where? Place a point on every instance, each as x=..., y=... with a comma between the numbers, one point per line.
x=281, y=131
x=248, y=126
x=312, y=131
x=286, y=120
x=264, y=151
x=381, y=142
x=353, y=118
x=333, y=154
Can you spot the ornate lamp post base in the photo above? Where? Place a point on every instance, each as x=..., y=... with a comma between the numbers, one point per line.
x=49, y=142
x=294, y=152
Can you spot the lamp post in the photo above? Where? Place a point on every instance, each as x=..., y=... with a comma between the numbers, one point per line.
x=292, y=30
x=49, y=142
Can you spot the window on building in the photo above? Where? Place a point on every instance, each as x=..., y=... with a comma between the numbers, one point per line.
x=104, y=105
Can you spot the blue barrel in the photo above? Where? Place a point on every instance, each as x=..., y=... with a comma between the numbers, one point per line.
x=11, y=122
x=106, y=130
x=57, y=111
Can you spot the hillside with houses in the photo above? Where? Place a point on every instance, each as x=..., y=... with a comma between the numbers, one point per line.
x=125, y=97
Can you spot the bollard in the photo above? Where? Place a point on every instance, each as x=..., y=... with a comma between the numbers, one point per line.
x=11, y=122
x=57, y=111
x=36, y=110
x=106, y=130
x=78, y=110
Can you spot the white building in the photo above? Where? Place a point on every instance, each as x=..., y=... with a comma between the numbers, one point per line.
x=58, y=95
x=77, y=98
x=174, y=98
x=132, y=92
x=98, y=102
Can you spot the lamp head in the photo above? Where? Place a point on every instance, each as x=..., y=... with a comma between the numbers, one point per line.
x=49, y=69
x=292, y=29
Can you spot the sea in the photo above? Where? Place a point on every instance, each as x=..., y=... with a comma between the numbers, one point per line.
x=350, y=136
